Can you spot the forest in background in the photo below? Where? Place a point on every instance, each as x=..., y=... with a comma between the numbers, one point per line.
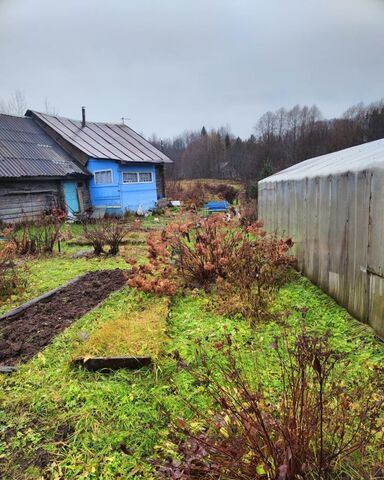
x=281, y=139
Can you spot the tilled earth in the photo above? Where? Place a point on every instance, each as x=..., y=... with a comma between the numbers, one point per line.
x=24, y=335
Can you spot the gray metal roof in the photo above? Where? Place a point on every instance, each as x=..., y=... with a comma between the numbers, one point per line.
x=104, y=140
x=27, y=151
x=353, y=159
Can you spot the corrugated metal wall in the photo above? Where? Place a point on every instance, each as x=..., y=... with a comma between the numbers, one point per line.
x=337, y=223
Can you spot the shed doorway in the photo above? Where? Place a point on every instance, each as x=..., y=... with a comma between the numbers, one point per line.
x=71, y=197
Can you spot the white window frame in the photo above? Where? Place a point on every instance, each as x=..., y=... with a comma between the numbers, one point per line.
x=150, y=173
x=138, y=178
x=131, y=173
x=102, y=171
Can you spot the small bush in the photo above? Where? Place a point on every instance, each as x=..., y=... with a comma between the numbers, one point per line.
x=308, y=422
x=188, y=254
x=174, y=190
x=248, y=210
x=106, y=232
x=252, y=190
x=10, y=281
x=38, y=236
x=259, y=267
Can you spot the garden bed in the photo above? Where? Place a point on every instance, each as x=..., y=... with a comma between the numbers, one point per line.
x=29, y=330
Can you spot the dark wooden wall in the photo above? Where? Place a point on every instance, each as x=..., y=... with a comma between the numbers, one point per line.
x=28, y=199
x=160, y=181
x=21, y=200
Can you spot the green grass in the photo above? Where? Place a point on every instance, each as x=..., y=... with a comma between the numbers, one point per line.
x=45, y=273
x=131, y=333
x=94, y=426
x=109, y=414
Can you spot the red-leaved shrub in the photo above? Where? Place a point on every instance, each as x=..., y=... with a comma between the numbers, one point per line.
x=307, y=422
x=216, y=253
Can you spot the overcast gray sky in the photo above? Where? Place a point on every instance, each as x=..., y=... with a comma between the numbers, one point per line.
x=172, y=65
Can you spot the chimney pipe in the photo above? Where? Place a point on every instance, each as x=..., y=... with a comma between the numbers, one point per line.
x=82, y=117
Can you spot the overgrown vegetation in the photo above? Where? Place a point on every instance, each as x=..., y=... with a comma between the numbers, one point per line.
x=10, y=280
x=63, y=423
x=248, y=210
x=194, y=194
x=244, y=265
x=304, y=423
x=57, y=422
x=37, y=236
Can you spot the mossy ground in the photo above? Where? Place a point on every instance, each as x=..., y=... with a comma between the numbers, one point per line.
x=133, y=333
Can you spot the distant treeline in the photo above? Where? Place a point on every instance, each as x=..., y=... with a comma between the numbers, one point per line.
x=281, y=139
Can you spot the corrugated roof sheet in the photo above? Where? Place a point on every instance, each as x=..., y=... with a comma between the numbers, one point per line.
x=104, y=140
x=361, y=157
x=27, y=151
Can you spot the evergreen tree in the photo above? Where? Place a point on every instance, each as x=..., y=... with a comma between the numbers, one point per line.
x=266, y=169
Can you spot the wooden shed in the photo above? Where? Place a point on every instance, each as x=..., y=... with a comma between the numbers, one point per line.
x=36, y=174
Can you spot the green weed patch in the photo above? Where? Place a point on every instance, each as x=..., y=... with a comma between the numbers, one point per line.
x=63, y=423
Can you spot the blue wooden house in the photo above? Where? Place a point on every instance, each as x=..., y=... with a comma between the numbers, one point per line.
x=126, y=172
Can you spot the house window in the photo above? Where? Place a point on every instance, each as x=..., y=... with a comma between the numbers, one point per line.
x=137, y=177
x=130, y=177
x=103, y=177
x=145, y=177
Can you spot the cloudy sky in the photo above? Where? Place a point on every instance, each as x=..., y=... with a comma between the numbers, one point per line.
x=172, y=65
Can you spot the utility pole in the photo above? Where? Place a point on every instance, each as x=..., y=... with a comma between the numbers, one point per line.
x=124, y=118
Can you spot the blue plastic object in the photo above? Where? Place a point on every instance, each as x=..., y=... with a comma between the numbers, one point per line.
x=217, y=206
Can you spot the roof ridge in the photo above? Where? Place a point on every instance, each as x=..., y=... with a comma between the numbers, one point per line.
x=13, y=115
x=103, y=140
x=61, y=117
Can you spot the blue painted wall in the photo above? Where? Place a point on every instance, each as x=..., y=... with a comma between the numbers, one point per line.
x=120, y=196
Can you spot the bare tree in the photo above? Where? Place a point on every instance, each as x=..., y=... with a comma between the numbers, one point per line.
x=49, y=109
x=16, y=104
x=281, y=139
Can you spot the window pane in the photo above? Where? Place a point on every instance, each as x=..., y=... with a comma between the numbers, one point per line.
x=145, y=177
x=129, y=177
x=103, y=177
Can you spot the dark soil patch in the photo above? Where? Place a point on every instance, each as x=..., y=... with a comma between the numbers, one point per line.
x=24, y=335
